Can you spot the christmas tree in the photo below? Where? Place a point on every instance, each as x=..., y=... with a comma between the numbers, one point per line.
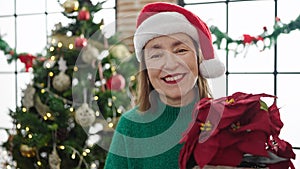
x=79, y=89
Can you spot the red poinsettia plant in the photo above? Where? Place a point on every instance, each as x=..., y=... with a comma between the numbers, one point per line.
x=225, y=131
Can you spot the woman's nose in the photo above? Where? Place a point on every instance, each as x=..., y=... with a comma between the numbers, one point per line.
x=170, y=61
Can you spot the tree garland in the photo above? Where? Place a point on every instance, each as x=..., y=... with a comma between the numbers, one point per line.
x=265, y=39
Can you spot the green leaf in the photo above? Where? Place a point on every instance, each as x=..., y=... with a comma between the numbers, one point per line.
x=263, y=105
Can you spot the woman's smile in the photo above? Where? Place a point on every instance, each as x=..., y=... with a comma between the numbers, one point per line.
x=173, y=78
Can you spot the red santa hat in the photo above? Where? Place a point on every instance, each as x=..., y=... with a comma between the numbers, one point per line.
x=161, y=18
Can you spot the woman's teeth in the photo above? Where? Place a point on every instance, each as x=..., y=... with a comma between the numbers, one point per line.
x=173, y=78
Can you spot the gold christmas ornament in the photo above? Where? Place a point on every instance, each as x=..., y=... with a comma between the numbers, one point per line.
x=61, y=82
x=63, y=39
x=85, y=116
x=120, y=51
x=27, y=151
x=70, y=6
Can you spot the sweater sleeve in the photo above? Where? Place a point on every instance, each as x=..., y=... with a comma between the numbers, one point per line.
x=116, y=158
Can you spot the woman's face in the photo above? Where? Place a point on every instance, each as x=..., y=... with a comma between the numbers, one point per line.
x=172, y=67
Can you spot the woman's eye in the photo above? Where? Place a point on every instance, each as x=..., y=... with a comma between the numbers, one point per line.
x=181, y=50
x=154, y=56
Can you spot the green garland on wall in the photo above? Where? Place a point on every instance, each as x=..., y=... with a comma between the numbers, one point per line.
x=263, y=41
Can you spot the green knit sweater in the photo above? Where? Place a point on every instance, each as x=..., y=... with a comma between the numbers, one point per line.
x=149, y=140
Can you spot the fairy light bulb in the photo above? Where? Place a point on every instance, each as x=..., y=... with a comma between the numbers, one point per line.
x=119, y=110
x=73, y=156
x=132, y=78
x=19, y=126
x=27, y=129
x=45, y=117
x=62, y=147
x=48, y=65
x=93, y=165
x=71, y=46
x=101, y=27
x=43, y=91
x=96, y=98
x=59, y=44
x=30, y=136
x=48, y=115
x=52, y=58
x=84, y=153
x=51, y=49
x=24, y=109
x=109, y=103
x=71, y=109
x=39, y=163
x=110, y=125
x=75, y=68
x=53, y=41
x=51, y=74
x=87, y=150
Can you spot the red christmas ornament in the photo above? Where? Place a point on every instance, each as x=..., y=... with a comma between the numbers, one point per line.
x=27, y=59
x=116, y=82
x=83, y=14
x=80, y=42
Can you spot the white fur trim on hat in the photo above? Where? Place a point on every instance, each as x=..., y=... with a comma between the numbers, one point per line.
x=212, y=68
x=160, y=24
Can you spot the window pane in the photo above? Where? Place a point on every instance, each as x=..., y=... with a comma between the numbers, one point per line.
x=30, y=6
x=23, y=80
x=54, y=6
x=251, y=61
x=251, y=83
x=31, y=35
x=242, y=20
x=109, y=17
x=288, y=44
x=288, y=10
x=288, y=101
x=7, y=30
x=55, y=19
x=207, y=12
x=107, y=4
x=288, y=52
x=6, y=7
x=7, y=90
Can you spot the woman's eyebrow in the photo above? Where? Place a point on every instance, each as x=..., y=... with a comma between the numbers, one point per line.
x=156, y=46
x=177, y=43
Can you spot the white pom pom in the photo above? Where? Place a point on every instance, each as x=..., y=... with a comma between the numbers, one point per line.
x=212, y=68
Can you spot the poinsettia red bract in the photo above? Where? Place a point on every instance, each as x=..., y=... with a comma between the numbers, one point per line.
x=225, y=129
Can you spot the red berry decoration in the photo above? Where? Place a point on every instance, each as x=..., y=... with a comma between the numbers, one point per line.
x=80, y=42
x=116, y=82
x=83, y=14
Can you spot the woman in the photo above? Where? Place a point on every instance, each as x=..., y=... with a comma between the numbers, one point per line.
x=176, y=56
